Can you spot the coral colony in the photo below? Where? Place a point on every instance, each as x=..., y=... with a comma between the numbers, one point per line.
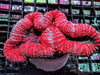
x=38, y=36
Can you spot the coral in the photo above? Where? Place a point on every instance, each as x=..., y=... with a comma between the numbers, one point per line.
x=41, y=36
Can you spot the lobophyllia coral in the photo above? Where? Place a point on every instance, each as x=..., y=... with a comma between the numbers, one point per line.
x=41, y=36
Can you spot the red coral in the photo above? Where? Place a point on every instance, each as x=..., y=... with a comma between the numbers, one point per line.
x=25, y=42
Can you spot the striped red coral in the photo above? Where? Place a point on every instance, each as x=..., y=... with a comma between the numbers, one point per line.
x=38, y=36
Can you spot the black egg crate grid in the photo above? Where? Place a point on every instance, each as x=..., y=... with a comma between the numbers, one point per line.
x=76, y=13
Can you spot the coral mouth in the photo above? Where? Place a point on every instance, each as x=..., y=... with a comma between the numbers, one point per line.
x=83, y=39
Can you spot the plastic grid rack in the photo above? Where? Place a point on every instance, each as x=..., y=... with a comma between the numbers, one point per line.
x=74, y=12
